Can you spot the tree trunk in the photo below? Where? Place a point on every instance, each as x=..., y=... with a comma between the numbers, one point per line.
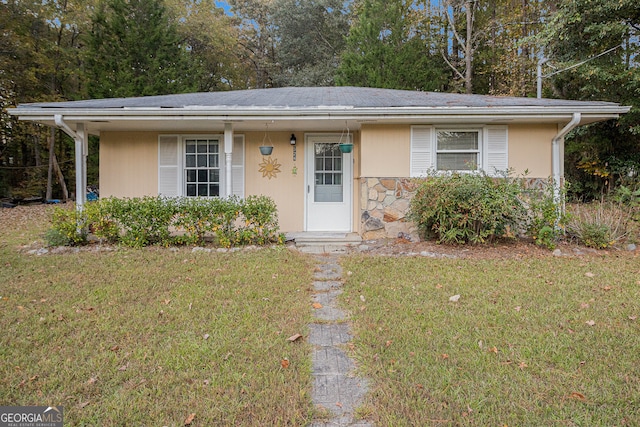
x=468, y=54
x=65, y=192
x=52, y=156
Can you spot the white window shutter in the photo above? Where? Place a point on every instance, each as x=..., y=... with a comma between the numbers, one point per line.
x=497, y=154
x=237, y=166
x=168, y=166
x=421, y=150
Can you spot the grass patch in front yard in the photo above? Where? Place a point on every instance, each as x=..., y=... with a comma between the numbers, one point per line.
x=148, y=337
x=530, y=342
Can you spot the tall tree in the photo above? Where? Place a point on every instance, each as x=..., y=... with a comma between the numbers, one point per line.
x=134, y=50
x=257, y=39
x=391, y=45
x=464, y=36
x=211, y=40
x=596, y=45
x=310, y=37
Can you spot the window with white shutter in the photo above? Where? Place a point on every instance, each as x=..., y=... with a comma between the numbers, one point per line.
x=193, y=165
x=459, y=149
x=421, y=147
x=497, y=149
x=169, y=166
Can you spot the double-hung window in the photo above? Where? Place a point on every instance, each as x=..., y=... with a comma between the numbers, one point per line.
x=458, y=150
x=202, y=167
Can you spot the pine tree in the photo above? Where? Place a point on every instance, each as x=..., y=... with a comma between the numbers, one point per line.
x=134, y=50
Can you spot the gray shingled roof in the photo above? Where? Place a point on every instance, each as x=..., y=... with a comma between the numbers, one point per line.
x=316, y=97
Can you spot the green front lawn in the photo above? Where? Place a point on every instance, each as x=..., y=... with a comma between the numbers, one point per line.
x=530, y=342
x=151, y=336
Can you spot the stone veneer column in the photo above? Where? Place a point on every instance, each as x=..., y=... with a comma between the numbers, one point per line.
x=384, y=207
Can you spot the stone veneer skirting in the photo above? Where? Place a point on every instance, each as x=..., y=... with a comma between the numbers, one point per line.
x=385, y=203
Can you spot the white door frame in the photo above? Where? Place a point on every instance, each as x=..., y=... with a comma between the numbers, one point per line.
x=342, y=211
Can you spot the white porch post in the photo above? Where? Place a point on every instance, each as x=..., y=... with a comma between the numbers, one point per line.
x=81, y=148
x=228, y=152
x=81, y=144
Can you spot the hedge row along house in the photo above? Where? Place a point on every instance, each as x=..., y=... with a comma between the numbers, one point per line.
x=334, y=159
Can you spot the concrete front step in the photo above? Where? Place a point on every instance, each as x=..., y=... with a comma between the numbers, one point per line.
x=318, y=243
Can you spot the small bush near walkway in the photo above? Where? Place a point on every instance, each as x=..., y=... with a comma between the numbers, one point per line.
x=146, y=221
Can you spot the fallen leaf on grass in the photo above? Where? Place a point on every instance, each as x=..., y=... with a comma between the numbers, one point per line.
x=166, y=302
x=284, y=363
x=206, y=336
x=518, y=308
x=454, y=298
x=633, y=317
x=317, y=305
x=444, y=356
x=189, y=419
x=590, y=322
x=589, y=274
x=388, y=343
x=577, y=396
x=522, y=365
x=493, y=350
x=607, y=288
x=295, y=337
x=123, y=367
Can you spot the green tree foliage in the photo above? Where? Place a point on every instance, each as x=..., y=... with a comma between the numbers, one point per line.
x=134, y=50
x=256, y=40
x=505, y=63
x=605, y=154
x=32, y=57
x=392, y=45
x=310, y=38
x=211, y=40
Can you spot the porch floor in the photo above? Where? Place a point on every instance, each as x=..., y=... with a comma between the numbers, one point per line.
x=319, y=243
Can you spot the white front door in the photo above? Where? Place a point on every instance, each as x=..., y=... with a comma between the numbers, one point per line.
x=329, y=180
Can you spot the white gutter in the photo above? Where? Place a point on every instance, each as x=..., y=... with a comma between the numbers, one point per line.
x=556, y=156
x=231, y=113
x=65, y=127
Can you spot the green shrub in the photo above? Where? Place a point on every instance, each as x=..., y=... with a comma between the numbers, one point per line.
x=468, y=208
x=68, y=228
x=546, y=220
x=599, y=225
x=143, y=221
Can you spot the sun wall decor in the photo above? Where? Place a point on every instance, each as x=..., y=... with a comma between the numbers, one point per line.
x=269, y=167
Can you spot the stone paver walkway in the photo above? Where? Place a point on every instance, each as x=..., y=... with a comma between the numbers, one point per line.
x=335, y=386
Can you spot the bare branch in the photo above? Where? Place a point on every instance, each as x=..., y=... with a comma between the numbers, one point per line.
x=451, y=65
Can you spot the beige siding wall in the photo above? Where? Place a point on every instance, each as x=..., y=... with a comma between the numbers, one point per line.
x=530, y=148
x=286, y=189
x=128, y=164
x=385, y=150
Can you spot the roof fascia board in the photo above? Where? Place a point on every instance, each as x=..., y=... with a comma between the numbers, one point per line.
x=402, y=112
